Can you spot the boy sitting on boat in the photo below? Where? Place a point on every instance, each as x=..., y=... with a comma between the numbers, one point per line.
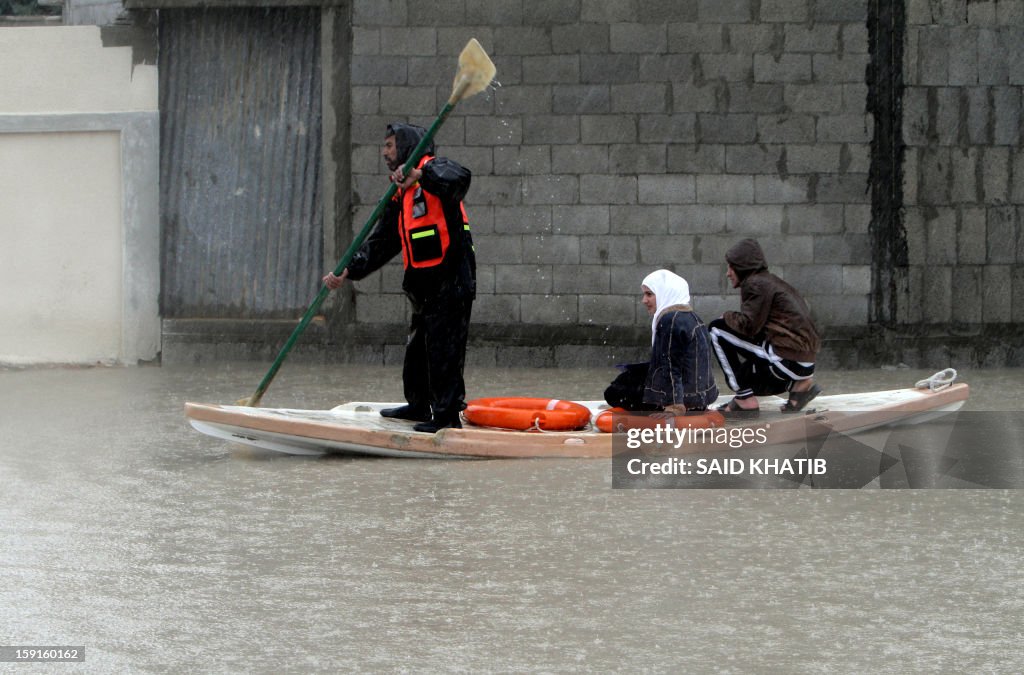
x=769, y=345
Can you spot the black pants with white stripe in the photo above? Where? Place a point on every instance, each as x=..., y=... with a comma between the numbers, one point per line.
x=751, y=367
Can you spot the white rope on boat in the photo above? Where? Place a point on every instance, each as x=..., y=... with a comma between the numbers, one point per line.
x=536, y=425
x=536, y=420
x=939, y=380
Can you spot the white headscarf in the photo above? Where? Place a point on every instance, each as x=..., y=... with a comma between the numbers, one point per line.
x=669, y=289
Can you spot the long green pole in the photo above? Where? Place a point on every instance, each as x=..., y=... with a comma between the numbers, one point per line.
x=414, y=158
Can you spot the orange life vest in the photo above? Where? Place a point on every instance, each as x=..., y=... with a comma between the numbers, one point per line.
x=422, y=226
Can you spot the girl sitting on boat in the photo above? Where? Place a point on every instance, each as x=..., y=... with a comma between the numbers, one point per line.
x=679, y=377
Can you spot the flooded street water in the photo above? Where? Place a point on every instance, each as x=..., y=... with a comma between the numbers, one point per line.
x=159, y=549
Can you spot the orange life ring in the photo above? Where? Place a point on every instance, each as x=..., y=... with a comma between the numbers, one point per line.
x=511, y=412
x=704, y=420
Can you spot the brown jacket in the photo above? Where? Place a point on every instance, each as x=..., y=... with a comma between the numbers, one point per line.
x=770, y=308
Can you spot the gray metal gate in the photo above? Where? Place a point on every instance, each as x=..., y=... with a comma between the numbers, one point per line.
x=240, y=158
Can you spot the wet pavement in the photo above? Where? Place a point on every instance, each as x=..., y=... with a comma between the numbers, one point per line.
x=159, y=549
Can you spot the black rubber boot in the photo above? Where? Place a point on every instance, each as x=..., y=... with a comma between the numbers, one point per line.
x=406, y=412
x=436, y=424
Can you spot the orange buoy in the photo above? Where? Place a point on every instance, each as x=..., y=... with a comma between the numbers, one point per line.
x=704, y=420
x=512, y=412
x=604, y=419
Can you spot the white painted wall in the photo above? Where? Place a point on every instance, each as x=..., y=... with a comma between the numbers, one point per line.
x=79, y=222
x=61, y=263
x=66, y=69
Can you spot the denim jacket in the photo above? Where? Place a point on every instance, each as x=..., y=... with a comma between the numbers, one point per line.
x=680, y=370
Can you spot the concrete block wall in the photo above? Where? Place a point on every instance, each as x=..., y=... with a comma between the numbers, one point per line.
x=626, y=136
x=964, y=168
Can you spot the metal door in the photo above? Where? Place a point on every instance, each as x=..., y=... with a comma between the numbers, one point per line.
x=240, y=158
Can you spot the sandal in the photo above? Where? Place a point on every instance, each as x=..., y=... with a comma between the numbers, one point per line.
x=798, y=400
x=732, y=410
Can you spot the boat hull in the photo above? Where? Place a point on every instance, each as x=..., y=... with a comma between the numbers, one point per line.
x=358, y=428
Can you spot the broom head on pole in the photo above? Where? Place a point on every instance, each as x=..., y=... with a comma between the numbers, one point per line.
x=476, y=70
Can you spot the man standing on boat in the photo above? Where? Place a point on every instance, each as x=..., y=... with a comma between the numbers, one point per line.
x=427, y=223
x=770, y=344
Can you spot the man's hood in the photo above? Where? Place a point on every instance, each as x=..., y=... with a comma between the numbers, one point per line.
x=746, y=257
x=407, y=136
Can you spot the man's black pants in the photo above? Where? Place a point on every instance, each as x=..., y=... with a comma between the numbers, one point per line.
x=435, y=357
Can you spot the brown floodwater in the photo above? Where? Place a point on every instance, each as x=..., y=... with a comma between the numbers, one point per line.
x=158, y=549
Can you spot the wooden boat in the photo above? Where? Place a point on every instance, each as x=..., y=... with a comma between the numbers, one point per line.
x=358, y=428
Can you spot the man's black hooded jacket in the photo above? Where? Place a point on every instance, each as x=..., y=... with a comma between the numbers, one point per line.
x=455, y=277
